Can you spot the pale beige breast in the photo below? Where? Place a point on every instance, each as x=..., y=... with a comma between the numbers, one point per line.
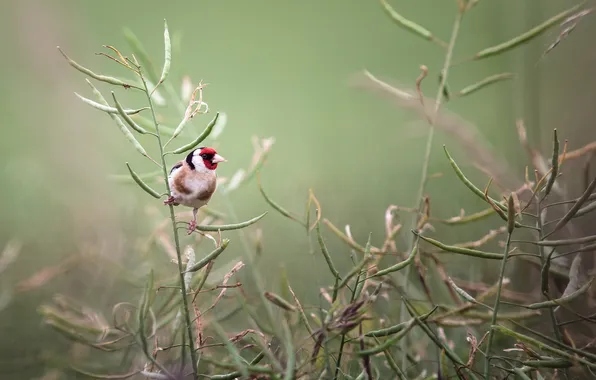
x=203, y=185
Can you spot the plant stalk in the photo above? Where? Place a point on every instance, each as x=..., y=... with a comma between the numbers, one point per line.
x=543, y=257
x=343, y=336
x=496, y=307
x=186, y=312
x=427, y=153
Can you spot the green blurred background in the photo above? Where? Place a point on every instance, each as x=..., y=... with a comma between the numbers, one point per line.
x=278, y=69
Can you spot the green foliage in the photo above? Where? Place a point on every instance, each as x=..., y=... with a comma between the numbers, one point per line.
x=371, y=322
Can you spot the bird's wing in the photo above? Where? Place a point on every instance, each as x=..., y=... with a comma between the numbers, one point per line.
x=177, y=165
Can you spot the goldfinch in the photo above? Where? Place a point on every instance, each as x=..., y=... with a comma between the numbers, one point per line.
x=193, y=181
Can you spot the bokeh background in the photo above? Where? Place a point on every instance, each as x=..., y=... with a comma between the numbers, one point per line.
x=277, y=69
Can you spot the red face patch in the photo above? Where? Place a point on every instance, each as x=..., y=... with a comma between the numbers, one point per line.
x=207, y=155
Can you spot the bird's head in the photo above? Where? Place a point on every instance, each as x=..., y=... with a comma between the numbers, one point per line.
x=204, y=159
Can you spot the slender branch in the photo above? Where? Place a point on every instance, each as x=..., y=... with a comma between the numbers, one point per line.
x=186, y=312
x=234, y=218
x=429, y=143
x=343, y=336
x=496, y=307
x=544, y=286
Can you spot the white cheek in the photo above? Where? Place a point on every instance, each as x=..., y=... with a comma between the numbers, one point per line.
x=199, y=164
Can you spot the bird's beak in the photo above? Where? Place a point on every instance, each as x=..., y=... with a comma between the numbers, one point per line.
x=217, y=158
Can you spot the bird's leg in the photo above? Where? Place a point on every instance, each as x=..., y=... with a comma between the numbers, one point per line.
x=193, y=223
x=170, y=201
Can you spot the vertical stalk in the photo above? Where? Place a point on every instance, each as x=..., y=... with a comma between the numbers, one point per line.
x=234, y=218
x=496, y=307
x=429, y=143
x=186, y=312
x=551, y=311
x=343, y=336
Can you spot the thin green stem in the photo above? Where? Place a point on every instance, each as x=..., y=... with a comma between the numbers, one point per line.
x=186, y=312
x=343, y=336
x=496, y=307
x=427, y=153
x=234, y=219
x=551, y=310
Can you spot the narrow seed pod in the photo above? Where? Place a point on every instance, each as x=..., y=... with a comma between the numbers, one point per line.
x=142, y=184
x=148, y=296
x=405, y=23
x=484, y=83
x=525, y=37
x=109, y=109
x=178, y=129
x=395, y=329
x=278, y=301
x=387, y=331
x=563, y=300
x=556, y=243
x=198, y=140
x=510, y=214
x=398, y=266
x=343, y=236
x=544, y=273
x=389, y=342
x=461, y=251
x=101, y=78
x=357, y=268
x=552, y=363
x=144, y=307
x=275, y=205
x=129, y=136
x=469, y=218
x=545, y=347
x=554, y=165
x=168, y=55
x=575, y=210
x=468, y=183
x=465, y=295
x=228, y=227
x=212, y=256
x=427, y=330
x=127, y=118
x=585, y=210
x=325, y=253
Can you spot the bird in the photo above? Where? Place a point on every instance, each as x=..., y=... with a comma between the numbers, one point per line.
x=193, y=181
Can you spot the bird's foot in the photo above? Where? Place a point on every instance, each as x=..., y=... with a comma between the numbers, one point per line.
x=170, y=201
x=191, y=226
